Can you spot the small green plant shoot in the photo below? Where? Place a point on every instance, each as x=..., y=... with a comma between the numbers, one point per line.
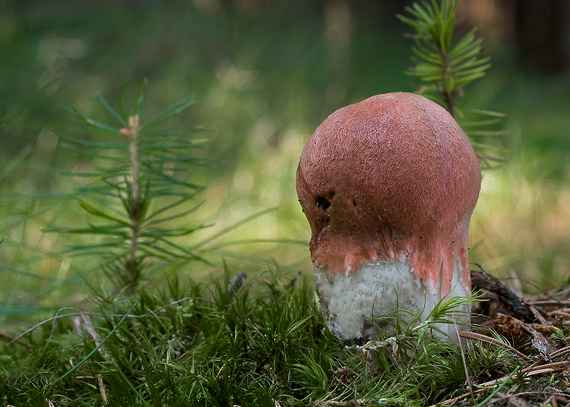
x=138, y=197
x=446, y=67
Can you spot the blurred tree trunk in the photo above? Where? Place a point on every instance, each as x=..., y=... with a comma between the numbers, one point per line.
x=542, y=33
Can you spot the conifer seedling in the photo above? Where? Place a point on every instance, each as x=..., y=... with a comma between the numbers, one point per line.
x=138, y=198
x=445, y=66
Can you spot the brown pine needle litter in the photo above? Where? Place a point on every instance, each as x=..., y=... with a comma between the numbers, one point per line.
x=542, y=348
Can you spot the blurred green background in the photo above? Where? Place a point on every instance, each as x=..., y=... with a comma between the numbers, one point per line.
x=266, y=73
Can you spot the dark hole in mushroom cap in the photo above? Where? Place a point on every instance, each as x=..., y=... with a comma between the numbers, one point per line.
x=323, y=203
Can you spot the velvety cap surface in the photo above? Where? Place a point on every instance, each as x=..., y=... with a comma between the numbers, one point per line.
x=391, y=178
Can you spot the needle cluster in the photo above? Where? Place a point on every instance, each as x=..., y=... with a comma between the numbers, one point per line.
x=445, y=66
x=137, y=200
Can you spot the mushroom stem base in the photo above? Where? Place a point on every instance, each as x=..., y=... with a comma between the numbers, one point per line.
x=355, y=305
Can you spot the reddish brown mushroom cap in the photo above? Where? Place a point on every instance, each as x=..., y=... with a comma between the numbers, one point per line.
x=392, y=178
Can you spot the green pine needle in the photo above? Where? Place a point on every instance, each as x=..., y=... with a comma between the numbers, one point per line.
x=445, y=69
x=138, y=190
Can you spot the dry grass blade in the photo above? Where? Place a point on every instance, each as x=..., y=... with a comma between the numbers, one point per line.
x=510, y=395
x=469, y=383
x=454, y=400
x=538, y=315
x=102, y=389
x=351, y=403
x=555, y=366
x=16, y=339
x=561, y=314
x=492, y=341
x=557, y=398
x=560, y=352
x=533, y=371
x=512, y=399
x=545, y=303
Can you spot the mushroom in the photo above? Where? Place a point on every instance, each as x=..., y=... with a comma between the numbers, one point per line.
x=388, y=186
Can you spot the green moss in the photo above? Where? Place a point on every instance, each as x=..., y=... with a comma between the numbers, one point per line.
x=203, y=345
